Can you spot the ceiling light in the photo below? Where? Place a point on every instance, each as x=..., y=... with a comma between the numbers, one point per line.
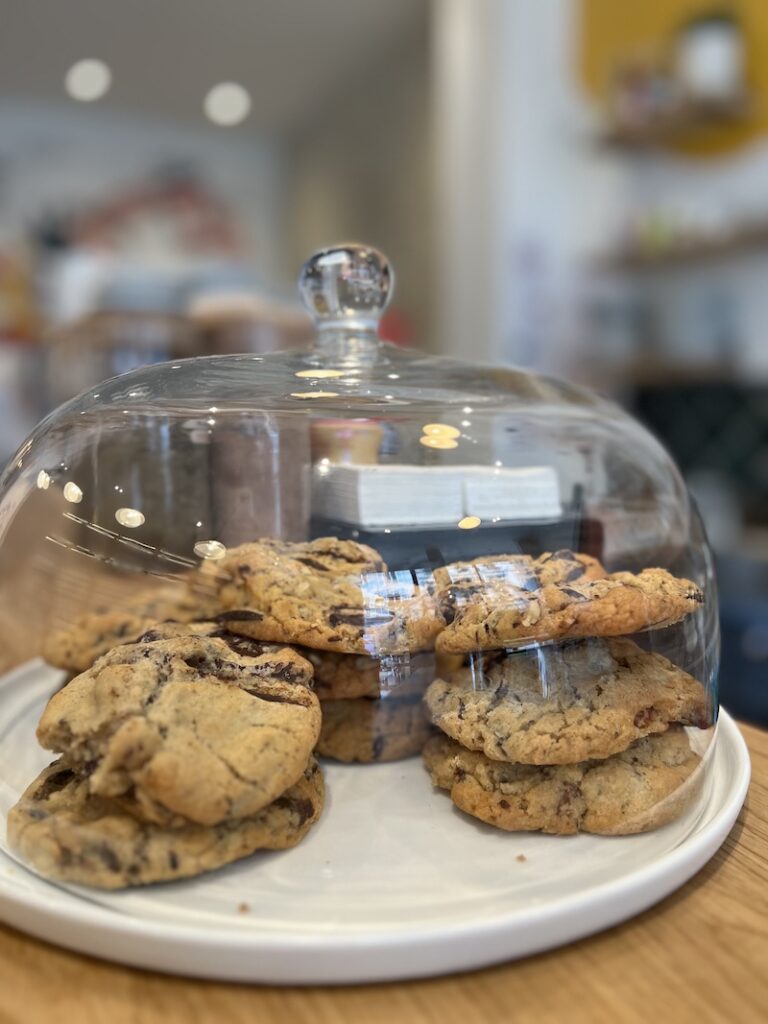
x=438, y=442
x=227, y=103
x=72, y=493
x=440, y=430
x=88, y=80
x=130, y=517
x=210, y=549
x=469, y=523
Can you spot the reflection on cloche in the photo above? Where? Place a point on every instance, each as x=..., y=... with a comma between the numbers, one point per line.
x=366, y=554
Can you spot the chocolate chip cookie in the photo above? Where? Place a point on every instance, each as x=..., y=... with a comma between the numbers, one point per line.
x=325, y=594
x=76, y=647
x=206, y=728
x=348, y=676
x=646, y=786
x=559, y=705
x=373, y=730
x=66, y=832
x=501, y=613
x=525, y=572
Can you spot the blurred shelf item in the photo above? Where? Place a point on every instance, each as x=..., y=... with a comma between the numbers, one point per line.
x=681, y=123
x=19, y=317
x=687, y=250
x=111, y=341
x=231, y=321
x=754, y=544
x=743, y=586
x=21, y=401
x=662, y=373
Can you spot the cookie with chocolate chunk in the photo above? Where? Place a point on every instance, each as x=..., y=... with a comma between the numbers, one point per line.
x=646, y=786
x=506, y=612
x=77, y=646
x=325, y=594
x=66, y=832
x=348, y=676
x=373, y=730
x=523, y=572
x=560, y=705
x=203, y=727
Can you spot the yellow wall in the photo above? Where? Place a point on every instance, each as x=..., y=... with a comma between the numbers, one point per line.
x=612, y=30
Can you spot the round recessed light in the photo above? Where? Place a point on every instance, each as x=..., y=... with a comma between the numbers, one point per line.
x=469, y=523
x=130, y=517
x=72, y=493
x=227, y=103
x=210, y=549
x=438, y=442
x=440, y=430
x=88, y=80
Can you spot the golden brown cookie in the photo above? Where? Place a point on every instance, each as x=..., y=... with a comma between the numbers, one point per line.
x=65, y=832
x=204, y=727
x=560, y=705
x=499, y=614
x=76, y=647
x=326, y=594
x=524, y=572
x=646, y=786
x=373, y=730
x=348, y=676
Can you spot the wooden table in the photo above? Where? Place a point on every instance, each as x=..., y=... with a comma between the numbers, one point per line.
x=700, y=956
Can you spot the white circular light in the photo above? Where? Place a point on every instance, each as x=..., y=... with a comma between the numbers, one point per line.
x=88, y=80
x=72, y=493
x=211, y=549
x=227, y=103
x=130, y=517
x=43, y=480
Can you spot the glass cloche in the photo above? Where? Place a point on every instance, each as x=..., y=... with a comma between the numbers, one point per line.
x=235, y=571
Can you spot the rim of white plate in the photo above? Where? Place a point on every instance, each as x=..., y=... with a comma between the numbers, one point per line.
x=694, y=849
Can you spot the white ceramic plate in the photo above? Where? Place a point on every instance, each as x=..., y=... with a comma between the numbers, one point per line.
x=392, y=882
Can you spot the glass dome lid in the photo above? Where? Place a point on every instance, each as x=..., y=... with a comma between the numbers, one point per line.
x=497, y=567
x=440, y=411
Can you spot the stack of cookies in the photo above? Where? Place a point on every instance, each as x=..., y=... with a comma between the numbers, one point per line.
x=368, y=633
x=186, y=736
x=180, y=752
x=558, y=721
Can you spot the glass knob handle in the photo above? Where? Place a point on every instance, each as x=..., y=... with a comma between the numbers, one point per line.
x=347, y=286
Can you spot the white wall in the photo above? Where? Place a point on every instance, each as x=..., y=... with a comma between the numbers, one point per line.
x=523, y=196
x=528, y=198
x=363, y=171
x=702, y=306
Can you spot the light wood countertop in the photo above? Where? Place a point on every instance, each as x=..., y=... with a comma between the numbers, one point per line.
x=701, y=955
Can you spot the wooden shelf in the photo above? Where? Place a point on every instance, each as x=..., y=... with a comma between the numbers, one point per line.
x=682, y=124
x=689, y=251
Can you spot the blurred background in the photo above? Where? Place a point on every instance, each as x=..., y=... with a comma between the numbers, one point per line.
x=576, y=186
